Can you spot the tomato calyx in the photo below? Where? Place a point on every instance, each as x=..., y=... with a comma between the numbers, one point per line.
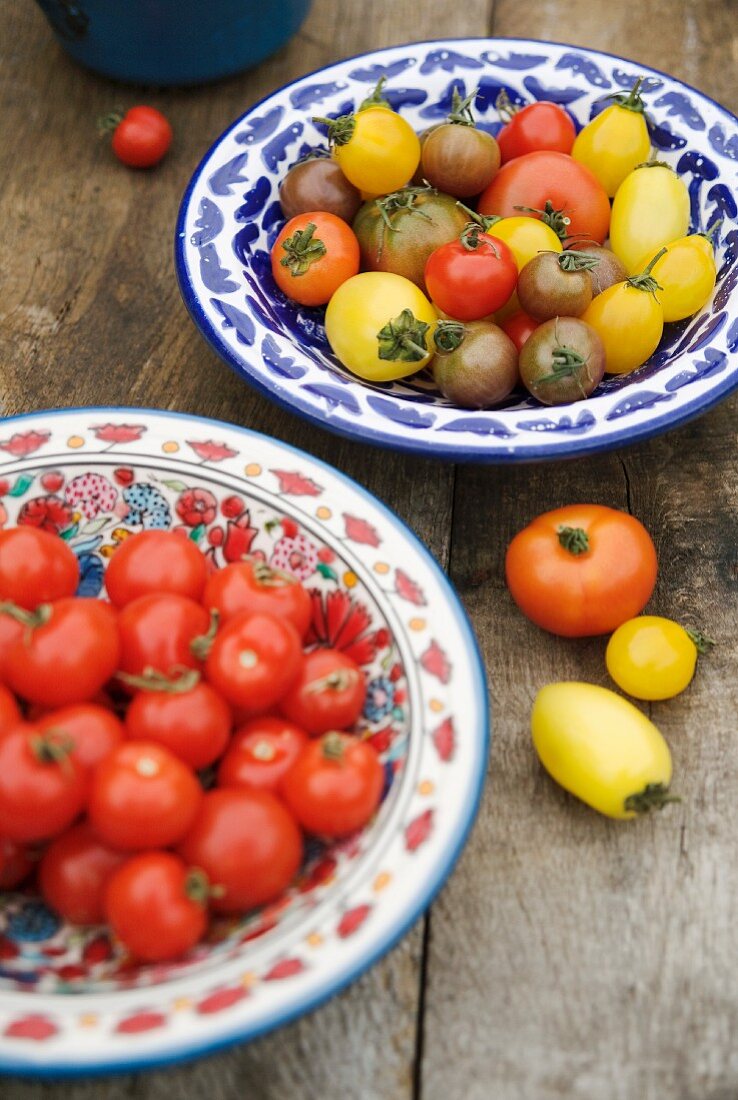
x=486, y=221
x=179, y=681
x=203, y=643
x=106, y=124
x=574, y=539
x=461, y=112
x=404, y=199
x=266, y=576
x=449, y=335
x=654, y=796
x=53, y=746
x=645, y=280
x=702, y=643
x=566, y=362
x=341, y=679
x=630, y=101
x=375, y=98
x=197, y=887
x=340, y=130
x=302, y=249
x=402, y=339
x=30, y=619
x=505, y=107
x=554, y=219
x=332, y=746
x=470, y=239
x=569, y=260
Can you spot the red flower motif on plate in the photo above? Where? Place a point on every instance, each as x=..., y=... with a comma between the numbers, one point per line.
x=196, y=506
x=341, y=623
x=210, y=451
x=50, y=513
x=25, y=443
x=119, y=433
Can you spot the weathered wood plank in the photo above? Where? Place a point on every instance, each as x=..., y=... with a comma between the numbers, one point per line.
x=571, y=957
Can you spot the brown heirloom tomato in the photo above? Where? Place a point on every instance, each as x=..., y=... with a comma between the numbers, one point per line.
x=562, y=361
x=475, y=365
x=608, y=271
x=456, y=157
x=318, y=184
x=556, y=284
x=581, y=570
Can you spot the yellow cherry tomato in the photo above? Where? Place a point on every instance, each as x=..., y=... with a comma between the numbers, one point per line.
x=629, y=320
x=376, y=149
x=686, y=275
x=616, y=141
x=380, y=326
x=651, y=658
x=525, y=237
x=650, y=209
x=600, y=747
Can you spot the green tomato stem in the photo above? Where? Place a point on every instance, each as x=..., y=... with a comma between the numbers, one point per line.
x=568, y=260
x=645, y=280
x=574, y=539
x=180, y=681
x=302, y=249
x=402, y=339
x=449, y=335
x=555, y=219
x=376, y=99
x=461, y=112
x=504, y=106
x=340, y=130
x=630, y=101
x=701, y=641
x=654, y=796
x=485, y=220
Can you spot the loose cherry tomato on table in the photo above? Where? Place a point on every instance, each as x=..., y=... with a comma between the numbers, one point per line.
x=247, y=844
x=155, y=562
x=184, y=714
x=581, y=570
x=327, y=694
x=335, y=785
x=254, y=660
x=456, y=157
x=313, y=254
x=376, y=149
x=652, y=658
x=141, y=137
x=471, y=277
x=256, y=587
x=157, y=906
x=73, y=874
x=142, y=796
x=158, y=631
x=66, y=652
x=616, y=140
x=92, y=730
x=42, y=787
x=261, y=752
x=539, y=126
x=35, y=567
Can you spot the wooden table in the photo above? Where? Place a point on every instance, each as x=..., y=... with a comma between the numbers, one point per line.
x=568, y=957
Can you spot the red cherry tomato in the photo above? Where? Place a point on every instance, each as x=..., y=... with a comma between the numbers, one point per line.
x=539, y=178
x=158, y=562
x=157, y=906
x=42, y=787
x=16, y=864
x=255, y=587
x=247, y=843
x=142, y=137
x=68, y=656
x=519, y=326
x=93, y=730
x=157, y=632
x=254, y=660
x=328, y=694
x=142, y=796
x=335, y=786
x=261, y=753
x=10, y=714
x=35, y=567
x=313, y=255
x=194, y=724
x=73, y=872
x=536, y=127
x=471, y=277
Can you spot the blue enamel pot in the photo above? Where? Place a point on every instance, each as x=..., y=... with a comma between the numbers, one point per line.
x=172, y=41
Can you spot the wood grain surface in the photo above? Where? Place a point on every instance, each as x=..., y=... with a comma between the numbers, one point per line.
x=568, y=958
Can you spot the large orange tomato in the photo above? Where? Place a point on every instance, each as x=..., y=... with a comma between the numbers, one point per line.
x=581, y=570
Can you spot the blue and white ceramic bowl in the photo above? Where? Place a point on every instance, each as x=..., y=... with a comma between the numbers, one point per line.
x=230, y=216
x=71, y=1002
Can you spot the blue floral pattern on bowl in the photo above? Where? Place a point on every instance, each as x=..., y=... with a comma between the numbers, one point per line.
x=230, y=216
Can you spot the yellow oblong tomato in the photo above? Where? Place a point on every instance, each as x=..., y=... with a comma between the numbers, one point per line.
x=686, y=276
x=376, y=149
x=650, y=209
x=651, y=657
x=380, y=326
x=616, y=141
x=629, y=320
x=601, y=749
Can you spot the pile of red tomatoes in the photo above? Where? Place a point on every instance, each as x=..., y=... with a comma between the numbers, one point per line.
x=485, y=259
x=163, y=754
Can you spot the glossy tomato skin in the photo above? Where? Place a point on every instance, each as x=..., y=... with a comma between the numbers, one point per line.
x=253, y=586
x=142, y=137
x=537, y=361
x=327, y=694
x=537, y=127
x=42, y=787
x=651, y=657
x=686, y=274
x=195, y=725
x=93, y=730
x=155, y=562
x=156, y=906
x=471, y=277
x=459, y=159
x=601, y=748
x=335, y=786
x=382, y=152
x=10, y=715
x=630, y=321
x=299, y=267
x=537, y=178
x=614, y=143
x=650, y=210
x=69, y=657
x=481, y=370
x=156, y=631
x=35, y=567
x=546, y=289
x=73, y=873
x=318, y=184
x=525, y=237
x=254, y=660
x=587, y=593
x=261, y=753
x=519, y=327
x=142, y=796
x=247, y=843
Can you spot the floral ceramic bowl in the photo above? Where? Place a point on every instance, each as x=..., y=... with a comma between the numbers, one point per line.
x=70, y=1000
x=230, y=216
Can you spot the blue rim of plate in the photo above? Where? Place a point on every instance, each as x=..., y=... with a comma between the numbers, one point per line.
x=568, y=448
x=411, y=912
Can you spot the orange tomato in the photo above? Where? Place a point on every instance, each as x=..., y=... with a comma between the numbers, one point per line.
x=581, y=570
x=313, y=255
